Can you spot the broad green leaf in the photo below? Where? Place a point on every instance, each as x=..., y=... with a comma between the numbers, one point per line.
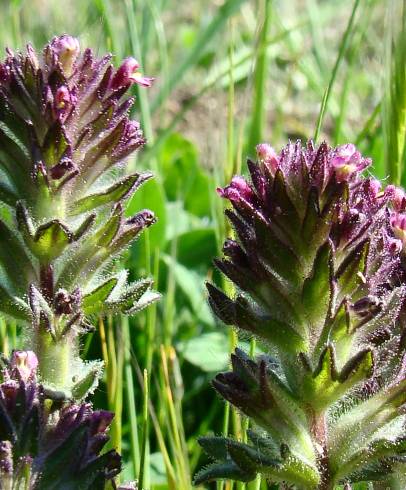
x=209, y=351
x=196, y=248
x=192, y=286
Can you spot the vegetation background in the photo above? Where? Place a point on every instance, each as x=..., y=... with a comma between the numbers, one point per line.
x=229, y=74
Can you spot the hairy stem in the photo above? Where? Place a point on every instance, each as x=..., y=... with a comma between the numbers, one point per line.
x=54, y=359
x=319, y=434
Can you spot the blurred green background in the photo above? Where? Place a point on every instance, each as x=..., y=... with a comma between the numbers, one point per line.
x=229, y=74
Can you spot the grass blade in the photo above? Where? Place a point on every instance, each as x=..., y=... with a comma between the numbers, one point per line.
x=229, y=8
x=341, y=53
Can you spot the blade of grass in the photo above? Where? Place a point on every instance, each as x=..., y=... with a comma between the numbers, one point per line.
x=395, y=91
x=260, y=77
x=131, y=407
x=130, y=6
x=229, y=8
x=353, y=50
x=175, y=431
x=145, y=430
x=341, y=52
x=211, y=81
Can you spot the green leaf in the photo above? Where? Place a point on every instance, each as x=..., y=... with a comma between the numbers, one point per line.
x=223, y=471
x=215, y=447
x=317, y=289
x=250, y=458
x=55, y=144
x=351, y=271
x=146, y=299
x=274, y=331
x=94, y=301
x=14, y=306
x=326, y=384
x=108, y=231
x=209, y=351
x=196, y=248
x=129, y=296
x=192, y=286
x=151, y=196
x=89, y=375
x=115, y=193
x=12, y=253
x=50, y=240
x=357, y=426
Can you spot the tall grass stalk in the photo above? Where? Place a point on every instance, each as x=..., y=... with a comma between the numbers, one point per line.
x=394, y=107
x=260, y=77
x=145, y=431
x=205, y=36
x=130, y=398
x=130, y=6
x=352, y=57
x=341, y=53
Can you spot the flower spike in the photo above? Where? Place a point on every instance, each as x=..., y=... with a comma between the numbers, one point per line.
x=65, y=135
x=317, y=264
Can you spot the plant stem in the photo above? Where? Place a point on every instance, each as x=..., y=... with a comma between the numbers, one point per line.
x=54, y=359
x=319, y=433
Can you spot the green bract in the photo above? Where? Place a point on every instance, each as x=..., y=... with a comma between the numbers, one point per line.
x=317, y=266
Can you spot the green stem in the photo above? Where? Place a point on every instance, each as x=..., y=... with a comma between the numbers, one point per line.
x=54, y=360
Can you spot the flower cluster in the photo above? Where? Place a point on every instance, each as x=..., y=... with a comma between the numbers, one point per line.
x=42, y=448
x=65, y=135
x=317, y=265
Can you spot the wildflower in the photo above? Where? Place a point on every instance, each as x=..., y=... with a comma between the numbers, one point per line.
x=318, y=275
x=66, y=50
x=67, y=182
x=128, y=73
x=347, y=161
x=63, y=452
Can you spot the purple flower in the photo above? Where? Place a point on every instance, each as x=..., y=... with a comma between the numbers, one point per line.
x=58, y=448
x=66, y=49
x=268, y=156
x=25, y=363
x=398, y=224
x=238, y=190
x=318, y=277
x=398, y=198
x=128, y=73
x=347, y=161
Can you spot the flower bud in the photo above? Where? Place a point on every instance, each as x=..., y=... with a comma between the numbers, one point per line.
x=63, y=167
x=398, y=198
x=267, y=155
x=62, y=100
x=395, y=246
x=64, y=302
x=25, y=363
x=66, y=49
x=238, y=190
